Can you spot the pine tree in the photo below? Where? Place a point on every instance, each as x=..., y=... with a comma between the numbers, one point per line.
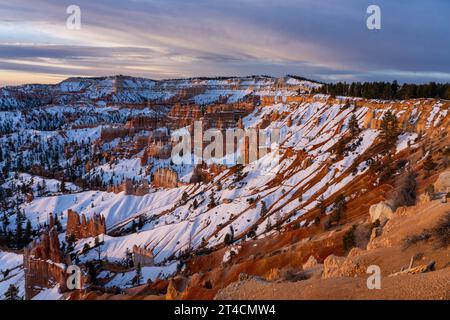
x=238, y=175
x=141, y=222
x=128, y=258
x=12, y=293
x=58, y=225
x=62, y=187
x=341, y=145
x=71, y=243
x=5, y=223
x=353, y=126
x=86, y=248
x=28, y=233
x=134, y=226
x=321, y=205
x=389, y=129
x=340, y=206
x=263, y=209
x=227, y=240
x=212, y=200
x=229, y=237
x=349, y=239
x=19, y=231
x=429, y=165
x=268, y=225
x=138, y=277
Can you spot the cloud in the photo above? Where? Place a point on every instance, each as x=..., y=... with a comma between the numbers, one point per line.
x=169, y=38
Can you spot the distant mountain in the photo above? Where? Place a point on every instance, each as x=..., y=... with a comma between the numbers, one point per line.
x=130, y=90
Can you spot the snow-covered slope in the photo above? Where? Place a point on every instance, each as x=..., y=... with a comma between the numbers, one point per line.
x=318, y=158
x=11, y=273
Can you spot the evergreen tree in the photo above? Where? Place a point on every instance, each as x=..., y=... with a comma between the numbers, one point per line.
x=128, y=258
x=195, y=203
x=58, y=225
x=263, y=209
x=429, y=165
x=212, y=200
x=349, y=239
x=71, y=243
x=228, y=240
x=138, y=277
x=5, y=223
x=62, y=187
x=269, y=225
x=341, y=145
x=184, y=197
x=28, y=236
x=229, y=237
x=141, y=222
x=239, y=175
x=98, y=247
x=134, y=226
x=353, y=126
x=340, y=206
x=12, y=293
x=321, y=205
x=389, y=129
x=86, y=248
x=19, y=231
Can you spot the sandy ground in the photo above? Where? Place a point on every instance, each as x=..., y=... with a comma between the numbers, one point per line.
x=433, y=285
x=387, y=252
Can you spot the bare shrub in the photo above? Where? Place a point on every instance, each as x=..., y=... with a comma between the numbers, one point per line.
x=294, y=275
x=406, y=191
x=416, y=238
x=441, y=232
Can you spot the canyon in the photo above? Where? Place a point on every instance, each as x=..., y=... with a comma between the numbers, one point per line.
x=90, y=159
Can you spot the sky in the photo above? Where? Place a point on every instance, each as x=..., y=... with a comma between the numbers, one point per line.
x=325, y=40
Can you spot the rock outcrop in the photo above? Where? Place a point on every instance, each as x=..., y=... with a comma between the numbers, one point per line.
x=311, y=263
x=84, y=228
x=43, y=265
x=381, y=211
x=442, y=184
x=334, y=266
x=165, y=178
x=143, y=257
x=176, y=288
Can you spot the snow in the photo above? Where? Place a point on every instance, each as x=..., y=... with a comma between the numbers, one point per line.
x=124, y=280
x=173, y=226
x=13, y=263
x=229, y=253
x=49, y=294
x=433, y=113
x=114, y=207
x=405, y=140
x=9, y=260
x=51, y=185
x=211, y=96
